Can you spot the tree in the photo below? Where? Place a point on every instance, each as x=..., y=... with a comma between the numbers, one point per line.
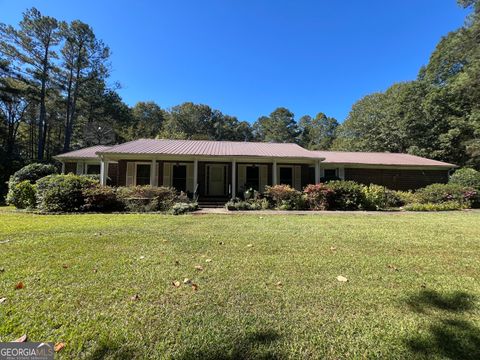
x=84, y=59
x=147, y=120
x=32, y=49
x=279, y=126
x=317, y=133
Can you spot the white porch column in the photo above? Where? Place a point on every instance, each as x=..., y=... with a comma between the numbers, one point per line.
x=103, y=171
x=234, y=179
x=274, y=173
x=195, y=176
x=153, y=170
x=317, y=172
x=63, y=167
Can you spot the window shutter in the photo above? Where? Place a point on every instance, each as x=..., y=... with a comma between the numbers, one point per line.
x=242, y=177
x=297, y=177
x=167, y=174
x=190, y=177
x=263, y=169
x=79, y=168
x=129, y=181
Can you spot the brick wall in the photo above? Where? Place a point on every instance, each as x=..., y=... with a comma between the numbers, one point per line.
x=397, y=179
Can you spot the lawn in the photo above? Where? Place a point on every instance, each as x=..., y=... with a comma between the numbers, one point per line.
x=102, y=284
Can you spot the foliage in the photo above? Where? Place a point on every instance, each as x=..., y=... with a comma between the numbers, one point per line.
x=180, y=208
x=284, y=197
x=147, y=198
x=406, y=197
x=319, y=197
x=466, y=177
x=444, y=206
x=63, y=193
x=101, y=199
x=379, y=197
x=348, y=195
x=279, y=126
x=32, y=173
x=440, y=193
x=253, y=204
x=317, y=133
x=22, y=195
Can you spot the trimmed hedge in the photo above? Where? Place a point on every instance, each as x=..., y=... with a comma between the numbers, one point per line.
x=445, y=206
x=348, y=195
x=102, y=199
x=22, y=195
x=441, y=193
x=148, y=198
x=284, y=197
x=63, y=193
x=466, y=177
x=378, y=197
x=319, y=197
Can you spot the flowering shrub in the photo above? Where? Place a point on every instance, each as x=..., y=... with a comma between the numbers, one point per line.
x=379, y=197
x=348, y=195
x=440, y=193
x=466, y=177
x=284, y=197
x=319, y=197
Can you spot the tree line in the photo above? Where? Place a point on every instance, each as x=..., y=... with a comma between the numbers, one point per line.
x=56, y=95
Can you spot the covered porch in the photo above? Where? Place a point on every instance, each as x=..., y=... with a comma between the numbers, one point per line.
x=214, y=178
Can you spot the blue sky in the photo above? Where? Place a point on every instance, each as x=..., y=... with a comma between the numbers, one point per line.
x=248, y=57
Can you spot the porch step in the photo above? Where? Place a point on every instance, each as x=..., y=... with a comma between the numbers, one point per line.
x=211, y=204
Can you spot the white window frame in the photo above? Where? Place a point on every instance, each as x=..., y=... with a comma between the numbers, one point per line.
x=91, y=164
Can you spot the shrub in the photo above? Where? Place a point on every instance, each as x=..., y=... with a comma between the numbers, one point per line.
x=101, y=199
x=406, y=197
x=348, y=195
x=62, y=193
x=33, y=172
x=22, y=195
x=285, y=197
x=237, y=204
x=147, y=198
x=466, y=177
x=319, y=197
x=445, y=206
x=182, y=208
x=440, y=193
x=378, y=197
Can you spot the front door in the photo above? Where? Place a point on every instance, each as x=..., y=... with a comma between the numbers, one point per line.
x=216, y=174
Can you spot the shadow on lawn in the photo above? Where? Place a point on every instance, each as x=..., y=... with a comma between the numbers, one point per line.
x=447, y=336
x=252, y=346
x=113, y=349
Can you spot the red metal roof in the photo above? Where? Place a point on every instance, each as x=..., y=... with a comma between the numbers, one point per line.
x=210, y=148
x=376, y=158
x=85, y=153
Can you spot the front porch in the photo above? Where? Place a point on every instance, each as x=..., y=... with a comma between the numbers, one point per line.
x=215, y=180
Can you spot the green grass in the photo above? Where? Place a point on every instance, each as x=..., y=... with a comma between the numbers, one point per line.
x=413, y=287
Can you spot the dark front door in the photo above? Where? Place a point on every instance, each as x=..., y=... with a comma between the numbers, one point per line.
x=286, y=176
x=253, y=178
x=179, y=178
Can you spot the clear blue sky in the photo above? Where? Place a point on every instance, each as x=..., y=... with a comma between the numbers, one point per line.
x=248, y=57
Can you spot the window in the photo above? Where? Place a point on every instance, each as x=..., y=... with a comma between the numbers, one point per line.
x=252, y=177
x=143, y=174
x=330, y=174
x=93, y=169
x=286, y=176
x=179, y=177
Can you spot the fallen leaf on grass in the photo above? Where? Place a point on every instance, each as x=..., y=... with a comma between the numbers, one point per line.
x=199, y=267
x=208, y=260
x=2, y=270
x=279, y=284
x=22, y=338
x=342, y=278
x=135, y=297
x=221, y=243
x=4, y=241
x=142, y=257
x=95, y=270
x=2, y=300
x=177, y=262
x=19, y=286
x=250, y=245
x=333, y=248
x=194, y=287
x=187, y=281
x=59, y=346
x=176, y=283
x=65, y=266
x=392, y=267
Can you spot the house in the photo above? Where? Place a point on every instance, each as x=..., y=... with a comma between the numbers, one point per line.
x=223, y=169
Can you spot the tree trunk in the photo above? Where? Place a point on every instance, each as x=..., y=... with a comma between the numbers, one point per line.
x=43, y=108
x=68, y=132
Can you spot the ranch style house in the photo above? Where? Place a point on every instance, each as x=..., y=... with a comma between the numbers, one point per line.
x=219, y=170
